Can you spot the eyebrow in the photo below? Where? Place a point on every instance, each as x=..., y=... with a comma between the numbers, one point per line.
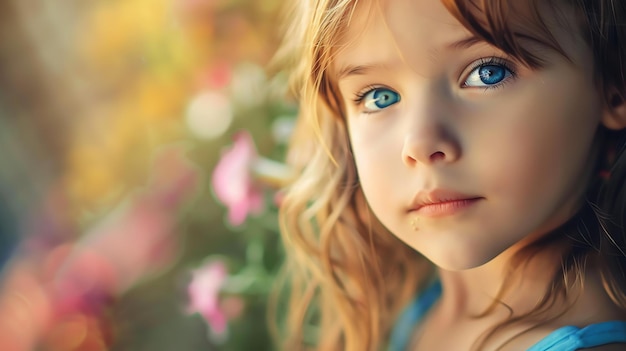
x=464, y=43
x=357, y=70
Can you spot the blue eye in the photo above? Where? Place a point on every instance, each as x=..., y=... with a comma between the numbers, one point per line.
x=379, y=98
x=488, y=75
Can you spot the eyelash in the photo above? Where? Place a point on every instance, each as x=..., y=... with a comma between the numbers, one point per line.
x=360, y=95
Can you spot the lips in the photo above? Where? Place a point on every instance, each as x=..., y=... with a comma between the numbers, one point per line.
x=441, y=202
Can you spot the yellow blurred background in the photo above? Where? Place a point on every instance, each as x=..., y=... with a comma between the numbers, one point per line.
x=113, y=117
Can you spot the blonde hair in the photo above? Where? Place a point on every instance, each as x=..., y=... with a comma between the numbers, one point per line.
x=346, y=277
x=335, y=247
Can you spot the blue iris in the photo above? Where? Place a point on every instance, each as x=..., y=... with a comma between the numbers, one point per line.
x=492, y=74
x=487, y=75
x=380, y=98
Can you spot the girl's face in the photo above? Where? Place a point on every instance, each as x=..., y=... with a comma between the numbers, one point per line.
x=461, y=151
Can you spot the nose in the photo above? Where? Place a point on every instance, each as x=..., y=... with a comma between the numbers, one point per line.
x=430, y=141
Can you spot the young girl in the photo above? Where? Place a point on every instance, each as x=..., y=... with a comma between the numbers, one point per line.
x=461, y=176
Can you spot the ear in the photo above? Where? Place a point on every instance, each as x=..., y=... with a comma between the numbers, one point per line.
x=614, y=116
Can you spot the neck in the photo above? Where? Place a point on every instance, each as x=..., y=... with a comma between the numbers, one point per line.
x=518, y=286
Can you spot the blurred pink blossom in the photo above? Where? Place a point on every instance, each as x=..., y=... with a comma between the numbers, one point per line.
x=51, y=284
x=204, y=291
x=216, y=76
x=196, y=7
x=232, y=180
x=138, y=239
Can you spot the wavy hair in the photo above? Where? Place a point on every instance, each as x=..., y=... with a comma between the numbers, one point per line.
x=346, y=277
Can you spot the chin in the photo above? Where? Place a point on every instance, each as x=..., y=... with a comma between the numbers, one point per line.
x=457, y=265
x=460, y=260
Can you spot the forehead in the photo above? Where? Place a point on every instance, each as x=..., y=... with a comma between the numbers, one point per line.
x=418, y=30
x=394, y=31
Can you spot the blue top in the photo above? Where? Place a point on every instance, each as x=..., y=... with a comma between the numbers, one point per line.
x=568, y=338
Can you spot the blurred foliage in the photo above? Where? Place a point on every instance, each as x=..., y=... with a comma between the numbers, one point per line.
x=95, y=89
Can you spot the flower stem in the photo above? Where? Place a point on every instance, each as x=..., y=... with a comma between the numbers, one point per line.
x=272, y=172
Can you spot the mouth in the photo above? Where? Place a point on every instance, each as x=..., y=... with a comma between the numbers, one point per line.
x=441, y=202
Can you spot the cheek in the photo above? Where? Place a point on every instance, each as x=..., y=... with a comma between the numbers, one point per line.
x=371, y=162
x=543, y=150
x=373, y=149
x=378, y=162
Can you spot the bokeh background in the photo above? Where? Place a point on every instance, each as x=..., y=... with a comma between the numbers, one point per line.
x=140, y=161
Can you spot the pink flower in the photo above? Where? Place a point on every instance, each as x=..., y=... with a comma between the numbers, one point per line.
x=137, y=239
x=232, y=180
x=204, y=291
x=217, y=76
x=51, y=286
x=196, y=7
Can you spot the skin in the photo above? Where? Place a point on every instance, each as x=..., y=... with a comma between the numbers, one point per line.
x=524, y=148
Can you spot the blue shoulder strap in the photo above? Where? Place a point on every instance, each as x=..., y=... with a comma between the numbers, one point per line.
x=401, y=333
x=570, y=338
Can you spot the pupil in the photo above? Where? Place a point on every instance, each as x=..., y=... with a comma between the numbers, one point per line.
x=491, y=74
x=382, y=98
